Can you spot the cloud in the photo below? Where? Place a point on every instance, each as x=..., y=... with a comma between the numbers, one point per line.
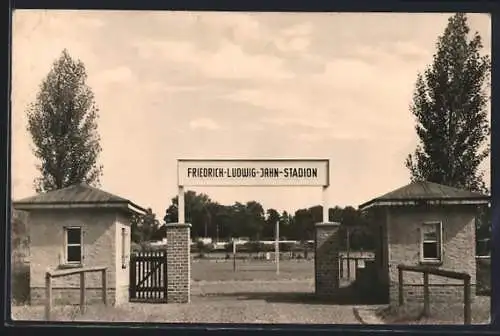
x=241, y=27
x=250, y=30
x=227, y=62
x=203, y=123
x=300, y=29
x=247, y=47
x=397, y=53
x=332, y=135
x=270, y=98
x=345, y=96
x=120, y=75
x=304, y=121
x=294, y=44
x=295, y=38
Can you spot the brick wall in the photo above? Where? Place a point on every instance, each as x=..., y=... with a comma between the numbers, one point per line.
x=178, y=263
x=326, y=260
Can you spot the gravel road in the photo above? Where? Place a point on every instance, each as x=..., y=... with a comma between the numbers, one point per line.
x=218, y=302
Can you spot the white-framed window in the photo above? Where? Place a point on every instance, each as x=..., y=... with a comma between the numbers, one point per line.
x=73, y=245
x=431, y=246
x=124, y=248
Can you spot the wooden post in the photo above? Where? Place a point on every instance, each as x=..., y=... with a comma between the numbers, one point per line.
x=104, y=287
x=426, y=295
x=234, y=255
x=48, y=296
x=400, y=286
x=348, y=245
x=348, y=262
x=82, y=292
x=341, y=265
x=467, y=301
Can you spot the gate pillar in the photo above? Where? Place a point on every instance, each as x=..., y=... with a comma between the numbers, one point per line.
x=326, y=259
x=178, y=262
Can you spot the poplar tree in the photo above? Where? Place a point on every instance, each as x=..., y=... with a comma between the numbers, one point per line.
x=62, y=123
x=450, y=107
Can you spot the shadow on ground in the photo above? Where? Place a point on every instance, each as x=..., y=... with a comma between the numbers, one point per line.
x=345, y=296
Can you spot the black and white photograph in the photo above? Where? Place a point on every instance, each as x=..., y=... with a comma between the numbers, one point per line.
x=250, y=167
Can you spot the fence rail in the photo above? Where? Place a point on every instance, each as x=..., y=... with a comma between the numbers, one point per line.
x=425, y=270
x=62, y=273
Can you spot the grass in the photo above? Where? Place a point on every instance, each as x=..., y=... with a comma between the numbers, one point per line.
x=447, y=313
x=256, y=294
x=215, y=302
x=209, y=270
x=441, y=313
x=253, y=294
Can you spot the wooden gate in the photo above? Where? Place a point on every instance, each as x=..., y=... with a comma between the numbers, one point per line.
x=148, y=276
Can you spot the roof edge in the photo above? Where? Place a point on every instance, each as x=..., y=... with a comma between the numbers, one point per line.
x=23, y=201
x=429, y=201
x=27, y=206
x=136, y=208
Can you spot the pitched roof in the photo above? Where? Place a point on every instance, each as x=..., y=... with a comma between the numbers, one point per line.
x=426, y=191
x=75, y=195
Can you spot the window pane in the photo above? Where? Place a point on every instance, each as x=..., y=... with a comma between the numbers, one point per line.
x=430, y=227
x=432, y=236
x=431, y=251
x=74, y=236
x=74, y=254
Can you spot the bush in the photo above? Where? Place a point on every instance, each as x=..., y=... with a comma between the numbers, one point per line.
x=134, y=247
x=20, y=276
x=228, y=247
x=20, y=283
x=203, y=248
x=253, y=247
x=288, y=247
x=483, y=276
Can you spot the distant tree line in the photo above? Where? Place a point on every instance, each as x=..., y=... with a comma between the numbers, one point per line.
x=252, y=221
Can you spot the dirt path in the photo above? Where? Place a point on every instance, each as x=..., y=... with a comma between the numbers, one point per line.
x=219, y=302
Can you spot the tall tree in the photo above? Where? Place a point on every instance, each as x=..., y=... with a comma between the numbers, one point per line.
x=268, y=231
x=197, y=212
x=450, y=107
x=63, y=126
x=145, y=227
x=254, y=219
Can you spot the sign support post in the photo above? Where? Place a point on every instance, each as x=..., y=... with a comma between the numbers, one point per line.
x=181, y=206
x=240, y=172
x=325, y=204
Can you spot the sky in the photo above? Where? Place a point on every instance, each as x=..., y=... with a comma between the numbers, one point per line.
x=172, y=85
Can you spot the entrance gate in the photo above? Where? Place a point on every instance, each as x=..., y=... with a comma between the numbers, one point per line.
x=148, y=277
x=238, y=172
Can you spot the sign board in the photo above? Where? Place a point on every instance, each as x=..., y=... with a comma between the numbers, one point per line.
x=288, y=172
